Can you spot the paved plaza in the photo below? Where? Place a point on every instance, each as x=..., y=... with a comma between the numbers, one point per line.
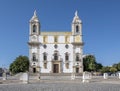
x=96, y=84
x=61, y=87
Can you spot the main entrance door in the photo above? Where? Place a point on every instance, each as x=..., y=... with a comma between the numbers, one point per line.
x=55, y=68
x=34, y=70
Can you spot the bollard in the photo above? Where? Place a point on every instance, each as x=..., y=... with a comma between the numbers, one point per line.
x=105, y=76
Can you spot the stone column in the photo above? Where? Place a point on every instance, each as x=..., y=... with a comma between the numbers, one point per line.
x=73, y=73
x=81, y=62
x=38, y=57
x=30, y=58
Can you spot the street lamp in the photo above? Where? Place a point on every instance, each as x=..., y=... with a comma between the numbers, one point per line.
x=40, y=74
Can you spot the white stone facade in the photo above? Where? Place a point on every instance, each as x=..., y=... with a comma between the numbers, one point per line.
x=55, y=52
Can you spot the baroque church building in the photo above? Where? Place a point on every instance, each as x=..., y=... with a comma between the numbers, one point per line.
x=55, y=52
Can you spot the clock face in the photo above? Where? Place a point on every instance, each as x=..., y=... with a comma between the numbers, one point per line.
x=77, y=39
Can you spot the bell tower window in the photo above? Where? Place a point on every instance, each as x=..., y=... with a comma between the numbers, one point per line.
x=34, y=57
x=34, y=28
x=77, y=29
x=77, y=57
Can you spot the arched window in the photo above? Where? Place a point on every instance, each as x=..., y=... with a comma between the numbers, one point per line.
x=66, y=56
x=34, y=28
x=34, y=57
x=77, y=29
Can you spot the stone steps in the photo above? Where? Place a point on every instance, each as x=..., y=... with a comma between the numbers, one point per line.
x=54, y=74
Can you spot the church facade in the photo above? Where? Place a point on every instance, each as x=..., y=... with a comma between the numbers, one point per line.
x=55, y=52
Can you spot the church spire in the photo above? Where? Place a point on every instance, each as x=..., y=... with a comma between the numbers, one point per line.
x=35, y=14
x=76, y=18
x=34, y=17
x=76, y=13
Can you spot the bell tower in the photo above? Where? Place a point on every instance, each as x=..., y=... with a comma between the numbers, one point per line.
x=77, y=44
x=34, y=25
x=76, y=25
x=34, y=44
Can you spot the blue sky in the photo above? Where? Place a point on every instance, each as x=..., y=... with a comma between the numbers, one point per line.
x=101, y=26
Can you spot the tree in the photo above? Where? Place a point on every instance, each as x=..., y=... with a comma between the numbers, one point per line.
x=113, y=69
x=98, y=66
x=105, y=69
x=21, y=64
x=89, y=63
x=117, y=66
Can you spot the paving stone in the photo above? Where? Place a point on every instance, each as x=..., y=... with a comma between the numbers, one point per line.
x=61, y=87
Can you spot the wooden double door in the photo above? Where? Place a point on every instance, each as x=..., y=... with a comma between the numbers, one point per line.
x=56, y=68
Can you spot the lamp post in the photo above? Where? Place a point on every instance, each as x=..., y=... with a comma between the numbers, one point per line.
x=40, y=74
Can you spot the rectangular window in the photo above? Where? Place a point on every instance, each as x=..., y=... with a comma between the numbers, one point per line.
x=55, y=56
x=44, y=57
x=66, y=57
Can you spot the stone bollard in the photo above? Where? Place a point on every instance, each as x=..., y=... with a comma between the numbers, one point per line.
x=73, y=76
x=86, y=77
x=105, y=76
x=119, y=75
x=24, y=78
x=4, y=76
